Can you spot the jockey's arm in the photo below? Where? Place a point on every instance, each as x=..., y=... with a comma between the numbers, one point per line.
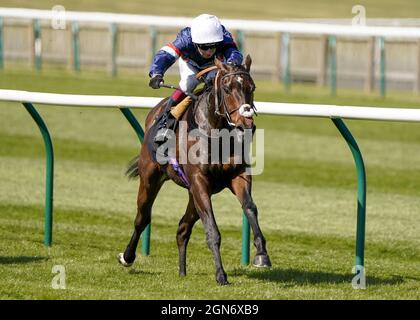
x=168, y=54
x=161, y=62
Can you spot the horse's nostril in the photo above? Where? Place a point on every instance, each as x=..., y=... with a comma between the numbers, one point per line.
x=246, y=111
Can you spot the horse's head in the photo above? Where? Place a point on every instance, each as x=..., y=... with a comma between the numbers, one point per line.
x=234, y=94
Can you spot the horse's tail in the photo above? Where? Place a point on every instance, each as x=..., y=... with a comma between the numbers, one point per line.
x=133, y=168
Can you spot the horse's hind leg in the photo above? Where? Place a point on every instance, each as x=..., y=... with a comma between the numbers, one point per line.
x=241, y=187
x=150, y=184
x=183, y=234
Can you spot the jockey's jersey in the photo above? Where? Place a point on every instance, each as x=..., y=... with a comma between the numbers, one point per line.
x=184, y=48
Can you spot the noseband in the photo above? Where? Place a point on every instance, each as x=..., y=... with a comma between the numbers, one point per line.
x=226, y=114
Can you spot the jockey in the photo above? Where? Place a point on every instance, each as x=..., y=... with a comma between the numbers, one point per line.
x=196, y=46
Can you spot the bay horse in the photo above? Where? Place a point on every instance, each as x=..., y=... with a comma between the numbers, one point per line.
x=228, y=103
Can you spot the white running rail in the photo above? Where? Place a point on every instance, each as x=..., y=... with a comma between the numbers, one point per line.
x=244, y=25
x=272, y=108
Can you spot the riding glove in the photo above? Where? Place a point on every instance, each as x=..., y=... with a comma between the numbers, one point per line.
x=155, y=81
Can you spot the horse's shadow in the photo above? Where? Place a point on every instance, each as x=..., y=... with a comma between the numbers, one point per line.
x=21, y=259
x=135, y=271
x=299, y=277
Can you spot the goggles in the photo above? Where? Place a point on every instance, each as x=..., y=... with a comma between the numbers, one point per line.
x=207, y=46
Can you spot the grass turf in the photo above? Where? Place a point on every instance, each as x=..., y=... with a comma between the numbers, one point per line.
x=306, y=199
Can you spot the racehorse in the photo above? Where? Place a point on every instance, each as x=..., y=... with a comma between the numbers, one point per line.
x=226, y=104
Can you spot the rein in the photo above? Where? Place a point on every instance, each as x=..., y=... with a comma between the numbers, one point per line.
x=226, y=114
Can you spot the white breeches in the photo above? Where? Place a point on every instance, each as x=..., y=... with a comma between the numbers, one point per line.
x=188, y=80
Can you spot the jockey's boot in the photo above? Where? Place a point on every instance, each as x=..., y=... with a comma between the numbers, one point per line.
x=166, y=122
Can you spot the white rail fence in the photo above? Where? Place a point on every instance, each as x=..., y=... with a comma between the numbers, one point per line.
x=245, y=25
x=266, y=108
x=288, y=60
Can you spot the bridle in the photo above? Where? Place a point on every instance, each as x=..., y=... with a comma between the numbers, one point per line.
x=227, y=114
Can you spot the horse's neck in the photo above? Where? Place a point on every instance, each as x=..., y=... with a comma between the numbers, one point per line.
x=204, y=115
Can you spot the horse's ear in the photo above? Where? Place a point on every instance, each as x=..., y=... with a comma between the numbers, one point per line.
x=248, y=62
x=219, y=64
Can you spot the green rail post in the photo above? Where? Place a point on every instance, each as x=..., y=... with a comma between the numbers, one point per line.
x=361, y=192
x=332, y=46
x=76, y=45
x=241, y=40
x=153, y=35
x=285, y=60
x=1, y=44
x=37, y=44
x=245, y=240
x=134, y=123
x=382, y=66
x=49, y=183
x=145, y=236
x=114, y=39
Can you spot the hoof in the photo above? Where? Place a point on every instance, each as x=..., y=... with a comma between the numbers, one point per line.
x=261, y=261
x=222, y=280
x=122, y=261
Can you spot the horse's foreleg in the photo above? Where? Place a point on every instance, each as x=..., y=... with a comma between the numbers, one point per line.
x=201, y=195
x=184, y=232
x=148, y=190
x=241, y=187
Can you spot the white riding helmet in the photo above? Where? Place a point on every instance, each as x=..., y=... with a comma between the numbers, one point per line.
x=206, y=29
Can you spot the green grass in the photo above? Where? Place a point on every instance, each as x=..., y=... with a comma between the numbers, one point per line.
x=306, y=199
x=269, y=9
